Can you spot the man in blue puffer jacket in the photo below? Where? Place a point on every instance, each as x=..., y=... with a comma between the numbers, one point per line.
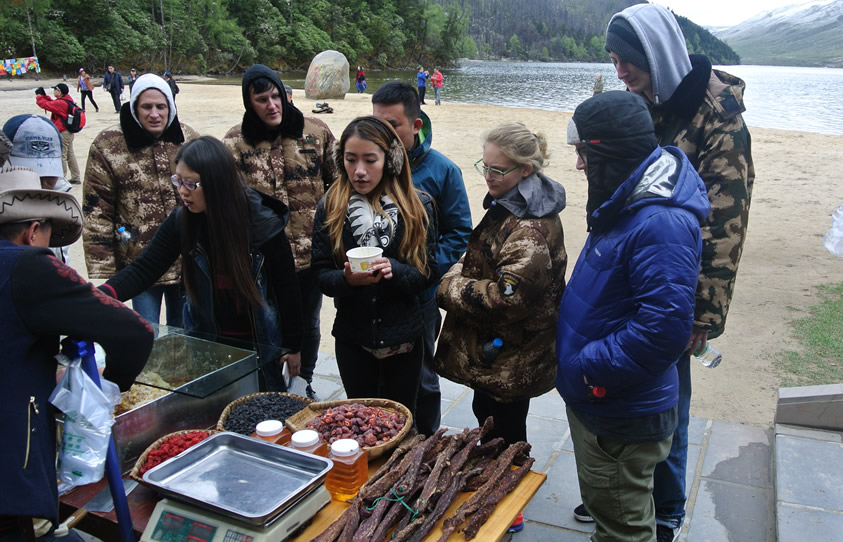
x=627, y=313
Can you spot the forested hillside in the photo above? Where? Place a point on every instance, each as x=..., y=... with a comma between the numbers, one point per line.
x=224, y=36
x=218, y=36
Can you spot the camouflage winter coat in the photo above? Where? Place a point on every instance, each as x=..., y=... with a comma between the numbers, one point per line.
x=296, y=171
x=127, y=183
x=507, y=285
x=713, y=135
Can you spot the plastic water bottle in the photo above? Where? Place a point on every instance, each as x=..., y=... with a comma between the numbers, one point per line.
x=124, y=235
x=491, y=350
x=710, y=357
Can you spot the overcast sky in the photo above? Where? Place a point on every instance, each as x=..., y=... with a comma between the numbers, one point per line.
x=723, y=12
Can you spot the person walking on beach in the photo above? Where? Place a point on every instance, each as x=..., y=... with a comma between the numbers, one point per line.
x=697, y=109
x=397, y=103
x=130, y=80
x=289, y=156
x=174, y=88
x=113, y=84
x=360, y=79
x=58, y=108
x=628, y=310
x=598, y=85
x=86, y=88
x=127, y=184
x=421, y=82
x=436, y=80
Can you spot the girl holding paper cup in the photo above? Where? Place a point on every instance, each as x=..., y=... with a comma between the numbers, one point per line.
x=378, y=326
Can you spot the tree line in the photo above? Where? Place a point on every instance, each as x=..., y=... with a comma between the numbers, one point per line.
x=225, y=36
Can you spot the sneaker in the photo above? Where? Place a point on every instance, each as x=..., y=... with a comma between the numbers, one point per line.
x=517, y=525
x=666, y=534
x=75, y=181
x=582, y=515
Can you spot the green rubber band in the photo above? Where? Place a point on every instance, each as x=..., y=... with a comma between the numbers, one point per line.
x=397, y=499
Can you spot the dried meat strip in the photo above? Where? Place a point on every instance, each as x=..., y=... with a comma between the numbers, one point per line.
x=423, y=503
x=367, y=528
x=408, y=479
x=509, y=481
x=439, y=510
x=352, y=522
x=474, y=502
x=406, y=445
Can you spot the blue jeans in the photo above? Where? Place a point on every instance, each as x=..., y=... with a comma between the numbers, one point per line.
x=148, y=304
x=669, y=476
x=311, y=306
x=438, y=91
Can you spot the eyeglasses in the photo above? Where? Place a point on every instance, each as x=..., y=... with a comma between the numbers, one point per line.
x=178, y=181
x=581, y=153
x=496, y=174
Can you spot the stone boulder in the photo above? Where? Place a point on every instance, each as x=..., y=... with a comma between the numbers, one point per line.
x=327, y=76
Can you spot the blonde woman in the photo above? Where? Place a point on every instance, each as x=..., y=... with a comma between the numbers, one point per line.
x=507, y=286
x=378, y=326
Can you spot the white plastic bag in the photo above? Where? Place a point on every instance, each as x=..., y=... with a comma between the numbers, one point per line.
x=833, y=238
x=87, y=425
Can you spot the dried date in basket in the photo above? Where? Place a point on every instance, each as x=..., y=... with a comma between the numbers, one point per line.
x=369, y=426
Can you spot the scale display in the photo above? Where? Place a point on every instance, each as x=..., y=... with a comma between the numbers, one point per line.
x=172, y=521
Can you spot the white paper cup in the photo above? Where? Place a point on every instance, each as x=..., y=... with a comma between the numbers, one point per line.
x=361, y=258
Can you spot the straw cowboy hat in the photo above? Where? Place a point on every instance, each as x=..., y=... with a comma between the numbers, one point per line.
x=23, y=200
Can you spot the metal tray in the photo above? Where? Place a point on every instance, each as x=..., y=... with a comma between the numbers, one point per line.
x=239, y=477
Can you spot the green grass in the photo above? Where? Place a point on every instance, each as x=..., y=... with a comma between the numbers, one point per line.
x=821, y=336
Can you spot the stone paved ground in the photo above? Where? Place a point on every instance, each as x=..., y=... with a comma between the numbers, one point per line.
x=731, y=495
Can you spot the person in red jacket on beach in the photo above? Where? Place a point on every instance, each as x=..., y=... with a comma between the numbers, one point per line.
x=58, y=108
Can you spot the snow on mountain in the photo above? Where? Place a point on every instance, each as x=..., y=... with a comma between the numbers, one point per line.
x=805, y=34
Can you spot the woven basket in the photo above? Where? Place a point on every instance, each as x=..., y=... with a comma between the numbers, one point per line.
x=237, y=402
x=135, y=474
x=299, y=420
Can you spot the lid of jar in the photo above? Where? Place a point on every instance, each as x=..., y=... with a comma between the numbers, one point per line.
x=269, y=428
x=344, y=447
x=304, y=438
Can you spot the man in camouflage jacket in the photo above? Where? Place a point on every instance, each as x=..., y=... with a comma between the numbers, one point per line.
x=127, y=183
x=698, y=110
x=287, y=155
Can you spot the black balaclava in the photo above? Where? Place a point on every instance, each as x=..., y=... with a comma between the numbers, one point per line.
x=253, y=128
x=618, y=133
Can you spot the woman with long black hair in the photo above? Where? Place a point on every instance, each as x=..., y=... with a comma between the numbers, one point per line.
x=237, y=264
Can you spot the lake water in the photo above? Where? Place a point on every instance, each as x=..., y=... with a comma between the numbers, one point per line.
x=787, y=98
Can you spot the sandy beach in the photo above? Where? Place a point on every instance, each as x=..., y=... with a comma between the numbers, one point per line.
x=797, y=188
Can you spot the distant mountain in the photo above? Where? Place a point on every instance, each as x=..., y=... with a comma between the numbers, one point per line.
x=807, y=34
x=700, y=40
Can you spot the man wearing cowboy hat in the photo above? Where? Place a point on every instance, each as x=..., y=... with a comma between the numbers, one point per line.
x=40, y=300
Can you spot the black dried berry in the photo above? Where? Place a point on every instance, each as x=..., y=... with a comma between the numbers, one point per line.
x=243, y=418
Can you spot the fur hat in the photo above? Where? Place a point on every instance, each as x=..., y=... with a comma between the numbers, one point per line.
x=22, y=200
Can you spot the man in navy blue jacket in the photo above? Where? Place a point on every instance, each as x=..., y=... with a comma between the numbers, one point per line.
x=41, y=299
x=398, y=104
x=627, y=312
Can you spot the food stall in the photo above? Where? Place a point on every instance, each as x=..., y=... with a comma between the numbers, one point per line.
x=235, y=488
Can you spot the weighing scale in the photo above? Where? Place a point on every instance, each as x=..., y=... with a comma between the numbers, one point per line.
x=173, y=521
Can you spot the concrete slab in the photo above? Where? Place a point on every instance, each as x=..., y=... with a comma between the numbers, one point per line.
x=738, y=453
x=460, y=414
x=696, y=430
x=453, y=391
x=731, y=512
x=326, y=365
x=549, y=405
x=797, y=524
x=555, y=501
x=809, y=473
x=546, y=437
x=537, y=532
x=802, y=432
x=327, y=389
x=812, y=406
